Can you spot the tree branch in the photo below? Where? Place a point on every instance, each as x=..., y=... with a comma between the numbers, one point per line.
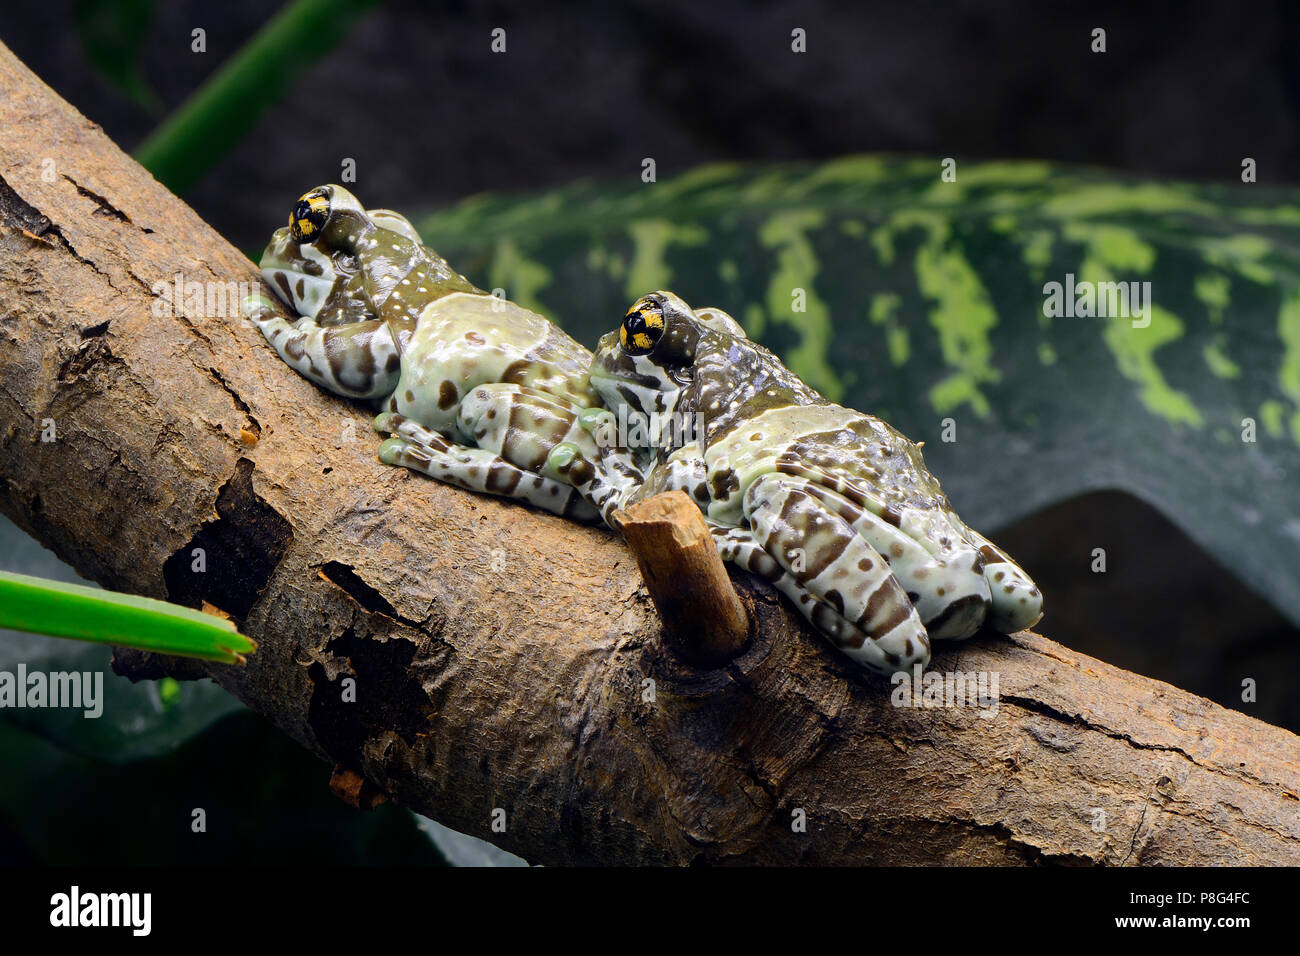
x=507, y=659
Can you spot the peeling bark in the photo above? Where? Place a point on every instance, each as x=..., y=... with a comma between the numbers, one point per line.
x=502, y=657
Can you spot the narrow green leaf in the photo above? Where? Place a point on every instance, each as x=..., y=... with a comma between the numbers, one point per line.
x=53, y=608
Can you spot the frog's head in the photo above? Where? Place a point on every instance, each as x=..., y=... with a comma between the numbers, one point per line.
x=311, y=261
x=646, y=363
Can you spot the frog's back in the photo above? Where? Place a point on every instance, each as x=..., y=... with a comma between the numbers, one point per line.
x=464, y=340
x=771, y=421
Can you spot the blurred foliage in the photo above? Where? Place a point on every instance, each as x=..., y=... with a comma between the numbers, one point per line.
x=923, y=301
x=265, y=799
x=228, y=105
x=113, y=34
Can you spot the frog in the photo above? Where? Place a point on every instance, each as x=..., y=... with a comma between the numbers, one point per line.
x=834, y=507
x=471, y=388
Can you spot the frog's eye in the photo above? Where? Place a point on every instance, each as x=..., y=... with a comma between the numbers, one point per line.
x=309, y=215
x=642, y=327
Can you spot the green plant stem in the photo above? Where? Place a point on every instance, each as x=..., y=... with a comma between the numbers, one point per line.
x=232, y=100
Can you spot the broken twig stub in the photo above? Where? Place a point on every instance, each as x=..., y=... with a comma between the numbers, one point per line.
x=704, y=619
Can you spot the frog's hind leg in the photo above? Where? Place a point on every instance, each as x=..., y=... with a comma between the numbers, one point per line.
x=1017, y=602
x=739, y=546
x=527, y=426
x=949, y=588
x=947, y=585
x=825, y=557
x=421, y=449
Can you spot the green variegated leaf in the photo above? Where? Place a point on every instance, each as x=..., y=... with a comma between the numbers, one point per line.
x=923, y=300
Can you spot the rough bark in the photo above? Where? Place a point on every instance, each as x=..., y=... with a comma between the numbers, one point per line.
x=502, y=657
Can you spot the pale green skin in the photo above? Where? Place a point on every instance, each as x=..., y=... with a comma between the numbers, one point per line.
x=477, y=390
x=833, y=506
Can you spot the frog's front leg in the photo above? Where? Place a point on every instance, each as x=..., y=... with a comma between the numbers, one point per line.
x=356, y=359
x=616, y=482
x=421, y=449
x=830, y=560
x=948, y=587
x=1016, y=601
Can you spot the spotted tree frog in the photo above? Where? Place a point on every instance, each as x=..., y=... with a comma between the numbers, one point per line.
x=835, y=507
x=475, y=390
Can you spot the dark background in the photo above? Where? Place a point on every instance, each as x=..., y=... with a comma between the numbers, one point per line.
x=430, y=115
x=588, y=89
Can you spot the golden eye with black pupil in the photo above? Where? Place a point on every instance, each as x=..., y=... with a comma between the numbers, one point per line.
x=309, y=216
x=642, y=328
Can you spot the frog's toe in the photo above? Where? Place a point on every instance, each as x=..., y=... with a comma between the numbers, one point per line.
x=569, y=463
x=900, y=649
x=951, y=592
x=257, y=308
x=567, y=460
x=395, y=451
x=887, y=638
x=402, y=453
x=1016, y=601
x=961, y=618
x=411, y=432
